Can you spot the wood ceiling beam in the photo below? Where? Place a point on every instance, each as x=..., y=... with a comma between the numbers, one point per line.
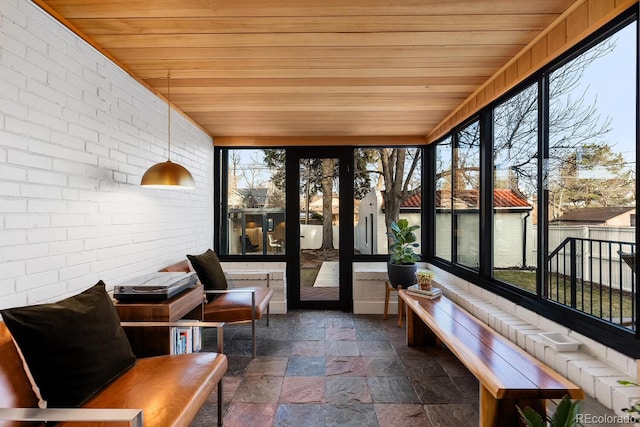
x=73, y=9
x=322, y=24
x=366, y=141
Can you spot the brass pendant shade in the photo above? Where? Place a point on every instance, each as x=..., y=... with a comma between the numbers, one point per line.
x=168, y=174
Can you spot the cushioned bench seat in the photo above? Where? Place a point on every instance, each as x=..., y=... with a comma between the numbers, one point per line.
x=237, y=305
x=168, y=389
x=190, y=378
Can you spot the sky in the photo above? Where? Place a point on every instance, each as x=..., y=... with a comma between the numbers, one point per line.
x=609, y=79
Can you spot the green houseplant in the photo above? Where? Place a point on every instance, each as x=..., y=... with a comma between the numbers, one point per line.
x=402, y=263
x=566, y=415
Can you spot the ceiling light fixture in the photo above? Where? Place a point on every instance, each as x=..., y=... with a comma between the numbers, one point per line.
x=168, y=174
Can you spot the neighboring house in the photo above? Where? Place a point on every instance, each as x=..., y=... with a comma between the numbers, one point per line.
x=250, y=215
x=512, y=219
x=316, y=207
x=512, y=210
x=617, y=216
x=248, y=197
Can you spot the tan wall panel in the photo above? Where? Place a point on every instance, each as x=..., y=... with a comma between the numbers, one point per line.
x=598, y=9
x=539, y=53
x=578, y=21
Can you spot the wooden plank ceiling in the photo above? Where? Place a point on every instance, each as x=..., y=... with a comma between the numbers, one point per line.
x=312, y=68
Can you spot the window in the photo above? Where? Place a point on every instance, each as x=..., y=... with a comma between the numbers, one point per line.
x=466, y=196
x=558, y=196
x=255, y=212
x=380, y=197
x=444, y=202
x=515, y=183
x=591, y=180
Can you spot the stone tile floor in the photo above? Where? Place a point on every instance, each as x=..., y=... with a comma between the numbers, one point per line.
x=328, y=368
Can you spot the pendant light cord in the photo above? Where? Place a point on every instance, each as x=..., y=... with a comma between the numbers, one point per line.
x=169, y=115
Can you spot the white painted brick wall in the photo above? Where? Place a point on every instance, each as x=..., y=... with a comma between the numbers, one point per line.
x=76, y=135
x=252, y=274
x=369, y=288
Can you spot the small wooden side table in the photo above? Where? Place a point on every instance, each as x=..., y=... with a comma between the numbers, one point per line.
x=156, y=341
x=387, y=293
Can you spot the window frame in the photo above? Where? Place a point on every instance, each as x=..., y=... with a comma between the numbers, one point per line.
x=607, y=334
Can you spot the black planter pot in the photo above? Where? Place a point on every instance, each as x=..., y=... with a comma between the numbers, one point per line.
x=402, y=274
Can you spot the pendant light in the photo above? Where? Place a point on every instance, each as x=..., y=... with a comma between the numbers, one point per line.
x=168, y=174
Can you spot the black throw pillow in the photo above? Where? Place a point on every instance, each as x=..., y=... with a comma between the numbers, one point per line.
x=207, y=266
x=73, y=347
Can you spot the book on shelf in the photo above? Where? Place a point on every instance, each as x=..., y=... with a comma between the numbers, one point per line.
x=432, y=293
x=185, y=339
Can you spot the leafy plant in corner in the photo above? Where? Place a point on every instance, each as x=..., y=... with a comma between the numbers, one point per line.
x=566, y=415
x=403, y=241
x=634, y=410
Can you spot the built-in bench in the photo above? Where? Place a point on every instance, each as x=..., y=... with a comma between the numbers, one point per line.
x=596, y=368
x=508, y=375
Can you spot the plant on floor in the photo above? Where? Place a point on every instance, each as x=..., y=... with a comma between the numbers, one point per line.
x=634, y=411
x=402, y=264
x=566, y=415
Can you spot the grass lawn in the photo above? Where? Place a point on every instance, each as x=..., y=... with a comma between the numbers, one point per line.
x=591, y=298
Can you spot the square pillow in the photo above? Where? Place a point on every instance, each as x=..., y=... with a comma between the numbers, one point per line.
x=207, y=266
x=73, y=347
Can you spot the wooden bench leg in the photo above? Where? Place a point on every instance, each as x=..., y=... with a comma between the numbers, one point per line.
x=387, y=291
x=253, y=323
x=220, y=402
x=503, y=412
x=400, y=307
x=269, y=303
x=417, y=332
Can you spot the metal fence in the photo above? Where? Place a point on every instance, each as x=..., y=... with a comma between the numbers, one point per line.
x=595, y=277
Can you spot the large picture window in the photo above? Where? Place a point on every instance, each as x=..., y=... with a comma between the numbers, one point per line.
x=443, y=199
x=255, y=211
x=591, y=180
x=466, y=196
x=553, y=188
x=515, y=185
x=387, y=186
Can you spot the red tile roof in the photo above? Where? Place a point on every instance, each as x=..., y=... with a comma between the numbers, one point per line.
x=502, y=198
x=506, y=198
x=414, y=201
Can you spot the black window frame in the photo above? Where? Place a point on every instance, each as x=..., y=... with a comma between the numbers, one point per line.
x=621, y=339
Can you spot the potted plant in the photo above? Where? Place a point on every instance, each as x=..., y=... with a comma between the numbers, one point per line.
x=424, y=279
x=402, y=264
x=566, y=415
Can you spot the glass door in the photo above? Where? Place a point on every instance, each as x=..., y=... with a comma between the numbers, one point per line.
x=320, y=228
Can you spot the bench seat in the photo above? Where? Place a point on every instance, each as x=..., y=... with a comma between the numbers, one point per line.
x=169, y=389
x=237, y=305
x=508, y=375
x=190, y=378
x=234, y=307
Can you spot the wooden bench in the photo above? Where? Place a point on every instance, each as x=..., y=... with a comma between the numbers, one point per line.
x=237, y=305
x=508, y=375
